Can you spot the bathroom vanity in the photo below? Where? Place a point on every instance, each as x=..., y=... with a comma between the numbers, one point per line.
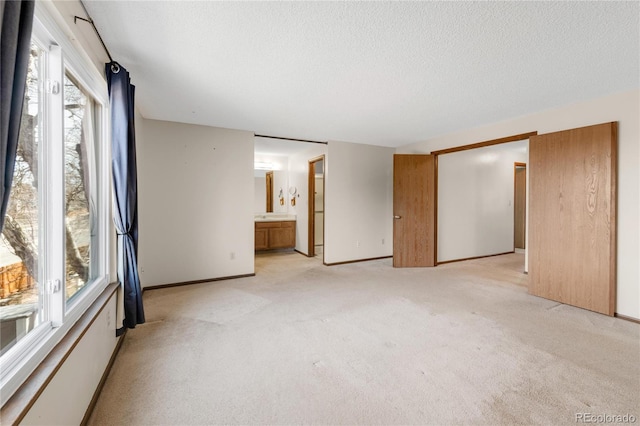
x=275, y=231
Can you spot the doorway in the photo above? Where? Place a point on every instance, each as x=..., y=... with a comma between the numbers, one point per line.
x=287, y=162
x=519, y=206
x=475, y=204
x=316, y=206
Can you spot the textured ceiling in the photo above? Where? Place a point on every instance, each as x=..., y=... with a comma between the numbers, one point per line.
x=384, y=73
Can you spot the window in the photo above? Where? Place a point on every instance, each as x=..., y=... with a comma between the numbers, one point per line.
x=54, y=245
x=80, y=221
x=20, y=295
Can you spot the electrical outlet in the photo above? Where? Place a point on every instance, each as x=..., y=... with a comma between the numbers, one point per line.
x=232, y=255
x=383, y=241
x=357, y=243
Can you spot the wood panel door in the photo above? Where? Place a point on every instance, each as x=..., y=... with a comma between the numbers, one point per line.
x=520, y=205
x=572, y=217
x=316, y=169
x=414, y=208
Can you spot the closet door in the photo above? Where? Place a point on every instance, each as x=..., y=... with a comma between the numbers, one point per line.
x=572, y=217
x=414, y=198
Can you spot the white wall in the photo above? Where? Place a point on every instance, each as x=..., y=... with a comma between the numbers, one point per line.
x=280, y=183
x=65, y=399
x=299, y=178
x=278, y=162
x=358, y=202
x=196, y=201
x=622, y=107
x=475, y=200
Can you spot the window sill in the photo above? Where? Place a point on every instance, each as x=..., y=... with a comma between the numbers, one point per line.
x=14, y=410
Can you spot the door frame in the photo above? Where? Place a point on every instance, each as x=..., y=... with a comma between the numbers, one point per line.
x=507, y=139
x=312, y=203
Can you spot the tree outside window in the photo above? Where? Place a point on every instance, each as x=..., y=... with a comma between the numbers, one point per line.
x=20, y=283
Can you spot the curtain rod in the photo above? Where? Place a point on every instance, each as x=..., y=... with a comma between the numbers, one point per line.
x=289, y=139
x=90, y=20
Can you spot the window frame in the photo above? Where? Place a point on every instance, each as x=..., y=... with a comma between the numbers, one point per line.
x=59, y=315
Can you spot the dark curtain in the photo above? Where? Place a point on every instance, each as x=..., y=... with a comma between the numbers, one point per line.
x=16, y=18
x=125, y=190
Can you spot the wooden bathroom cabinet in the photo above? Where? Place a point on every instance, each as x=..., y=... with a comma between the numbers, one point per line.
x=275, y=235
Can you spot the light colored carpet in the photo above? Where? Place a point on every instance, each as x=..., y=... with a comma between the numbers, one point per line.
x=365, y=343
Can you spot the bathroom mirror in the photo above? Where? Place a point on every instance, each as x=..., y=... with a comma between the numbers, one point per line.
x=270, y=191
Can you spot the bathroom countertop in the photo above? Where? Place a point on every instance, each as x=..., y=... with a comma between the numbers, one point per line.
x=274, y=217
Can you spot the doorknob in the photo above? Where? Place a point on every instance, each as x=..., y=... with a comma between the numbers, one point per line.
x=397, y=217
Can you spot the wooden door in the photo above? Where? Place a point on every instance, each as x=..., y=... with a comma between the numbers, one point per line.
x=318, y=215
x=520, y=205
x=414, y=207
x=316, y=167
x=572, y=217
